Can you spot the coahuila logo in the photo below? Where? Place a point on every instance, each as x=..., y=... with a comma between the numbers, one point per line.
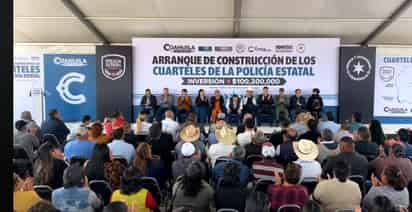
x=180, y=48
x=63, y=88
x=70, y=61
x=395, y=110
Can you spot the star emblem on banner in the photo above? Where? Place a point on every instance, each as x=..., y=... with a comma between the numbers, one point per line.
x=358, y=68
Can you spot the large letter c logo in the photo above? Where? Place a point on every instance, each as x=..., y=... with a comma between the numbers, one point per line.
x=64, y=85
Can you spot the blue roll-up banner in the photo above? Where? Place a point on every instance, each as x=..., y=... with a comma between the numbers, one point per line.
x=70, y=85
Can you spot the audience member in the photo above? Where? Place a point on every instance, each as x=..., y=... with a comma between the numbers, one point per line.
x=100, y=158
x=190, y=133
x=217, y=104
x=236, y=157
x=23, y=195
x=142, y=124
x=226, y=138
x=266, y=168
x=356, y=122
x=343, y=131
x=230, y=192
x=161, y=144
x=328, y=122
x=133, y=194
x=118, y=120
x=301, y=123
x=55, y=125
x=49, y=166
x=202, y=107
x=284, y=135
x=169, y=125
x=149, y=165
x=192, y=190
x=42, y=206
x=287, y=189
x=108, y=125
x=246, y=137
x=338, y=192
x=74, y=196
x=184, y=106
x=241, y=128
x=297, y=104
x=25, y=140
x=116, y=206
x=220, y=122
x=403, y=137
x=327, y=146
x=81, y=147
x=377, y=135
x=307, y=152
x=189, y=154
x=32, y=126
x=96, y=134
x=357, y=162
x=255, y=148
x=284, y=152
x=112, y=173
x=257, y=201
x=281, y=105
x=312, y=133
x=315, y=103
x=394, y=158
x=363, y=144
x=129, y=135
x=390, y=185
x=120, y=148
x=383, y=204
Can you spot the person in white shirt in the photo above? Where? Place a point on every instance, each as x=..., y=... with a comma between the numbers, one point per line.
x=120, y=148
x=169, y=125
x=246, y=137
x=226, y=138
x=307, y=152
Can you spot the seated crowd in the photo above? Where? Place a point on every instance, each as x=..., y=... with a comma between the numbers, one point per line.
x=313, y=164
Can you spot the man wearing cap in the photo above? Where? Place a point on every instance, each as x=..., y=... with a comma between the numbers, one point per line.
x=24, y=139
x=74, y=196
x=357, y=162
x=226, y=138
x=307, y=152
x=396, y=158
x=189, y=154
x=255, y=148
x=80, y=147
x=249, y=103
x=266, y=168
x=237, y=156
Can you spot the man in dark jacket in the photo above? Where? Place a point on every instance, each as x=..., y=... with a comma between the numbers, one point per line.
x=148, y=104
x=55, y=126
x=265, y=104
x=297, y=103
x=315, y=103
x=363, y=145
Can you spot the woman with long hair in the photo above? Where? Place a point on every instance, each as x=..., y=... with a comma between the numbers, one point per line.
x=192, y=190
x=49, y=166
x=132, y=193
x=217, y=104
x=392, y=185
x=377, y=135
x=149, y=165
x=202, y=107
x=142, y=125
x=101, y=157
x=96, y=134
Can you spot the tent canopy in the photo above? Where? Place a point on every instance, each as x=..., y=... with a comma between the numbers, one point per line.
x=50, y=21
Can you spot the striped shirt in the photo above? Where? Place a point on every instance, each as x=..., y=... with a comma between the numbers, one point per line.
x=266, y=169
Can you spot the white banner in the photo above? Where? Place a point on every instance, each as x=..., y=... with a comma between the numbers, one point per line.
x=28, y=86
x=393, y=86
x=232, y=65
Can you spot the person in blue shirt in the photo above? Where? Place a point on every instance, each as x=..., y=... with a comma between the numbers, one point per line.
x=328, y=123
x=356, y=122
x=403, y=136
x=80, y=147
x=237, y=157
x=121, y=148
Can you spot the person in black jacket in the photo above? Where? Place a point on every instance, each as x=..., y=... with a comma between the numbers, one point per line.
x=202, y=107
x=315, y=103
x=148, y=104
x=265, y=104
x=297, y=103
x=229, y=192
x=55, y=126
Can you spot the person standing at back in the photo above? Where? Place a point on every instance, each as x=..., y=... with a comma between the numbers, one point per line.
x=297, y=104
x=32, y=126
x=25, y=140
x=55, y=125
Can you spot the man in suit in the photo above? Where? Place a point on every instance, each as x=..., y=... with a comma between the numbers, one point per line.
x=148, y=104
